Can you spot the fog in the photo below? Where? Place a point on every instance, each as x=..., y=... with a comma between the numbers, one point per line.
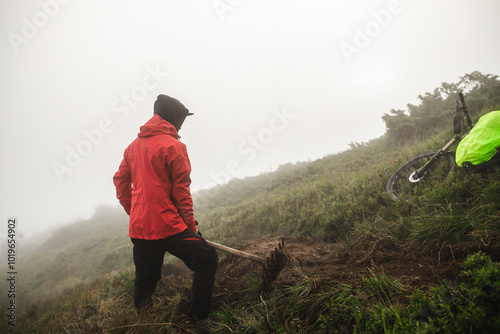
x=269, y=82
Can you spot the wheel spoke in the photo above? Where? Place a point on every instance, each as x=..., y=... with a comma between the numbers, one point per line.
x=401, y=187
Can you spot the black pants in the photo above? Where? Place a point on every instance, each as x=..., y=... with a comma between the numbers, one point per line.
x=193, y=251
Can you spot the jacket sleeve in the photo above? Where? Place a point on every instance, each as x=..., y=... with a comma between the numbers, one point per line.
x=123, y=183
x=180, y=170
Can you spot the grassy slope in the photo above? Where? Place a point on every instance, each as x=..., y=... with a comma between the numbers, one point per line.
x=339, y=197
x=76, y=254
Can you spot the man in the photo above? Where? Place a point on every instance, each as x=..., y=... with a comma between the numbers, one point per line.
x=152, y=184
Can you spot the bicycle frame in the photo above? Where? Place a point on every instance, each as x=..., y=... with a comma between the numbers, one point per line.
x=420, y=174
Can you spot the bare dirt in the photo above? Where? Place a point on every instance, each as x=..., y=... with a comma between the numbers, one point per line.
x=326, y=264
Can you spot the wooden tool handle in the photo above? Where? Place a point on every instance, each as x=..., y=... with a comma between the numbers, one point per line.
x=236, y=252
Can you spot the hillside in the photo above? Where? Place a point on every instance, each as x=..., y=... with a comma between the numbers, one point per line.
x=358, y=260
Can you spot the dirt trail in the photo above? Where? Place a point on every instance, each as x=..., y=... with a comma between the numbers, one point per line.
x=326, y=263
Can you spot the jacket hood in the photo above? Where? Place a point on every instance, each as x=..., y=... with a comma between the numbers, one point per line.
x=157, y=126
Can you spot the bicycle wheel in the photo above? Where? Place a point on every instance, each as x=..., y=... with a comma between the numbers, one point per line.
x=401, y=187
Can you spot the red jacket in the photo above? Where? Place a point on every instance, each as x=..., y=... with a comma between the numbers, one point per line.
x=152, y=183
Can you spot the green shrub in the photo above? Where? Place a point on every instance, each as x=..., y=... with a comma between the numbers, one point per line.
x=472, y=306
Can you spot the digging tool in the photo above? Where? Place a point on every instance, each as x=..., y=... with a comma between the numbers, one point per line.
x=271, y=266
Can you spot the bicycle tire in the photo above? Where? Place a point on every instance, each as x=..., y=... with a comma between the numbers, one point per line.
x=399, y=186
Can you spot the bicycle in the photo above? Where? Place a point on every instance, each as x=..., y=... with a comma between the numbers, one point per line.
x=429, y=170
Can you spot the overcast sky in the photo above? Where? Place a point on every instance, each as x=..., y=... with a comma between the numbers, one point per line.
x=269, y=82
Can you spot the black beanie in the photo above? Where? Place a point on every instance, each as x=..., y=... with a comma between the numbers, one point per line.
x=171, y=110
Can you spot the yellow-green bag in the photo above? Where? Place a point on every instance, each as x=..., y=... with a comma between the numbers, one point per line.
x=483, y=141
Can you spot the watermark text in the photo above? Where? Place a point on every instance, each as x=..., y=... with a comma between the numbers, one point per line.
x=94, y=137
x=249, y=148
x=223, y=7
x=31, y=26
x=363, y=36
x=11, y=271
